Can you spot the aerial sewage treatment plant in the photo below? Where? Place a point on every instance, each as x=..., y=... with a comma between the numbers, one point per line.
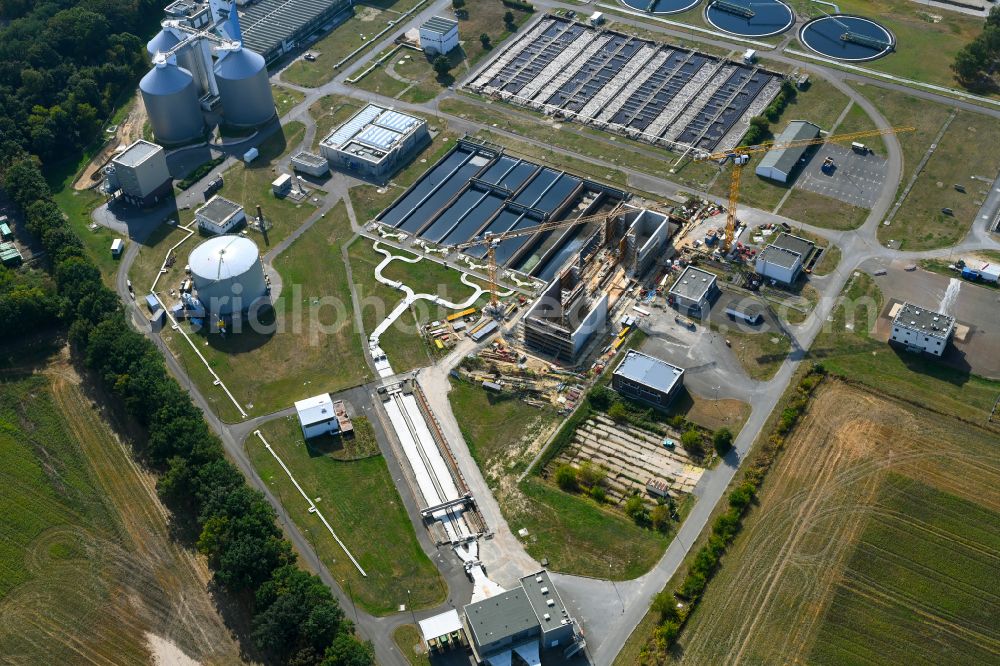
x=645, y=90
x=750, y=19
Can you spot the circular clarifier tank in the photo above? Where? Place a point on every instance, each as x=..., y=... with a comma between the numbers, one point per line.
x=750, y=18
x=848, y=38
x=661, y=6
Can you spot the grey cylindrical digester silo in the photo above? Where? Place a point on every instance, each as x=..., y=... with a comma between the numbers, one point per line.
x=171, y=101
x=162, y=42
x=244, y=88
x=227, y=273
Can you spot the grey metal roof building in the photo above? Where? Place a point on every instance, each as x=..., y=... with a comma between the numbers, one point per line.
x=273, y=27
x=374, y=142
x=439, y=25
x=693, y=289
x=646, y=378
x=784, y=257
x=220, y=215
x=501, y=620
x=922, y=329
x=778, y=164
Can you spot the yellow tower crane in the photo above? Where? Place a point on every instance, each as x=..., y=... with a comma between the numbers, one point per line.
x=741, y=155
x=491, y=241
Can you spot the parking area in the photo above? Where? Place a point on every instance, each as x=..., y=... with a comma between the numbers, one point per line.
x=856, y=179
x=979, y=352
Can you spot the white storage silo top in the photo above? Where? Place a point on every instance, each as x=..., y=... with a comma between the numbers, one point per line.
x=223, y=257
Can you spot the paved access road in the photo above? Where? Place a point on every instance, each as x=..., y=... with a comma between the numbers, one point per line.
x=609, y=613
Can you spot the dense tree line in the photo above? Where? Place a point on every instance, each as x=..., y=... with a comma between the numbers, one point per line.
x=976, y=65
x=63, y=66
x=28, y=302
x=296, y=620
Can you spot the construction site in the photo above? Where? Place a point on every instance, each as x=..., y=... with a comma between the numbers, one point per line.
x=636, y=461
x=664, y=95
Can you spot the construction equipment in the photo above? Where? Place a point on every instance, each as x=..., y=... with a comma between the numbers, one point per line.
x=492, y=241
x=741, y=156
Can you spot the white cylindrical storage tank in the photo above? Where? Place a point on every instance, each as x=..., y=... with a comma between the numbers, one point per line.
x=171, y=101
x=244, y=88
x=228, y=275
x=162, y=42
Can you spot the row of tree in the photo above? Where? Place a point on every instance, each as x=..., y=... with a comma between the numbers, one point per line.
x=977, y=64
x=295, y=618
x=28, y=302
x=64, y=64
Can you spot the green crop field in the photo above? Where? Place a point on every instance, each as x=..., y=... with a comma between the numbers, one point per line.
x=360, y=501
x=919, y=586
x=88, y=563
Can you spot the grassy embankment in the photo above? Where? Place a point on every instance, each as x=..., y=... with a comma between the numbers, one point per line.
x=350, y=494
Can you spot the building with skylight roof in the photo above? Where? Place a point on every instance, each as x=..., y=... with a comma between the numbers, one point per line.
x=375, y=142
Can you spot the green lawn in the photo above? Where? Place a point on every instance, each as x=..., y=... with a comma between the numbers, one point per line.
x=845, y=348
x=579, y=537
x=359, y=30
x=965, y=156
x=760, y=354
x=285, y=99
x=574, y=137
x=822, y=211
x=350, y=495
x=920, y=584
x=314, y=345
x=927, y=38
x=576, y=534
x=402, y=342
x=250, y=185
x=407, y=639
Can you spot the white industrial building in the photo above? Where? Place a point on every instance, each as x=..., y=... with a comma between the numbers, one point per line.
x=310, y=163
x=438, y=35
x=779, y=163
x=783, y=259
x=921, y=329
x=317, y=416
x=375, y=142
x=220, y=216
x=139, y=174
x=693, y=291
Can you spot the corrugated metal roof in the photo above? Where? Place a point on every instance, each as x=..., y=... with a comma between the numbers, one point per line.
x=397, y=121
x=268, y=23
x=439, y=25
x=379, y=137
x=357, y=122
x=784, y=159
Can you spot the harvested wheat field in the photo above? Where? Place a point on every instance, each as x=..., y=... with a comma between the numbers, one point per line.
x=877, y=540
x=89, y=572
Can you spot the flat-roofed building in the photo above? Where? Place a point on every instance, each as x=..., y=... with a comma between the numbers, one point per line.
x=647, y=378
x=921, y=329
x=522, y=621
x=310, y=163
x=438, y=35
x=782, y=260
x=375, y=142
x=220, y=216
x=317, y=416
x=779, y=163
x=140, y=174
x=693, y=291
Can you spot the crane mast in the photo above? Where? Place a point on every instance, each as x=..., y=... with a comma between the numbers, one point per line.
x=741, y=156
